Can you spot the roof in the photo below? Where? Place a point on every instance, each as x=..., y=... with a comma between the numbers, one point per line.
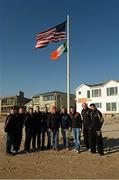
x=92, y=85
x=7, y=97
x=98, y=84
x=51, y=93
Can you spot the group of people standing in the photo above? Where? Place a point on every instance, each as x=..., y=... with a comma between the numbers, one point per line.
x=39, y=124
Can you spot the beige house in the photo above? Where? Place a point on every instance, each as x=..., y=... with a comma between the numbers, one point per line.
x=50, y=99
x=9, y=102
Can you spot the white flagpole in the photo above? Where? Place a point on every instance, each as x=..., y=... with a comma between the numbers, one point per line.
x=68, y=66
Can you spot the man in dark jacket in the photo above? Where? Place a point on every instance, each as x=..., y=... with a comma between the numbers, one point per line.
x=95, y=130
x=64, y=123
x=20, y=118
x=53, y=126
x=76, y=125
x=29, y=127
x=86, y=120
x=45, y=118
x=37, y=129
x=9, y=127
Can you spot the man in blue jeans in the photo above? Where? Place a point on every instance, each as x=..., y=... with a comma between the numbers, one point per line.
x=53, y=127
x=64, y=123
x=76, y=125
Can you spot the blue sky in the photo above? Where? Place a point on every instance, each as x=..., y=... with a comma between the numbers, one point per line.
x=94, y=44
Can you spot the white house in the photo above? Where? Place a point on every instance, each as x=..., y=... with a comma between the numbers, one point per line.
x=104, y=95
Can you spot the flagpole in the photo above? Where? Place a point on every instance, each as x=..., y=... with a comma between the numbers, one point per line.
x=68, y=66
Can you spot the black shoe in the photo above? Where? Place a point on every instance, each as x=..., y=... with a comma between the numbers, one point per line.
x=26, y=151
x=33, y=149
x=93, y=151
x=64, y=147
x=38, y=148
x=10, y=153
x=49, y=147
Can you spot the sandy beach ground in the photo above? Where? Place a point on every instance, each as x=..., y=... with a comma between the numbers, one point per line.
x=64, y=164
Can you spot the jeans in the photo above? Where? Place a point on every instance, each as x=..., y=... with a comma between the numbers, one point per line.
x=65, y=137
x=55, y=138
x=76, y=137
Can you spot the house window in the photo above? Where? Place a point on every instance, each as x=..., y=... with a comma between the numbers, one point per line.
x=79, y=92
x=88, y=94
x=98, y=105
x=111, y=106
x=96, y=93
x=36, y=100
x=49, y=98
x=112, y=91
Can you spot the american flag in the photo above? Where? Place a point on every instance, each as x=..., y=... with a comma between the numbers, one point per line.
x=54, y=34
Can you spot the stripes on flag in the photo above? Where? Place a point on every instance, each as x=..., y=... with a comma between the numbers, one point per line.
x=54, y=34
x=59, y=51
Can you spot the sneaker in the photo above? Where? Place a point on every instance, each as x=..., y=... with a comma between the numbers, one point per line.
x=14, y=152
x=89, y=150
x=77, y=151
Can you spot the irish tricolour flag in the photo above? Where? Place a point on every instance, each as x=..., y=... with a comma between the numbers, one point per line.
x=57, y=53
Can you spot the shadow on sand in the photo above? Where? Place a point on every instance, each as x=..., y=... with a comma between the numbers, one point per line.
x=111, y=145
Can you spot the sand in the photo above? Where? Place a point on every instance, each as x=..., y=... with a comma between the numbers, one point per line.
x=49, y=164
